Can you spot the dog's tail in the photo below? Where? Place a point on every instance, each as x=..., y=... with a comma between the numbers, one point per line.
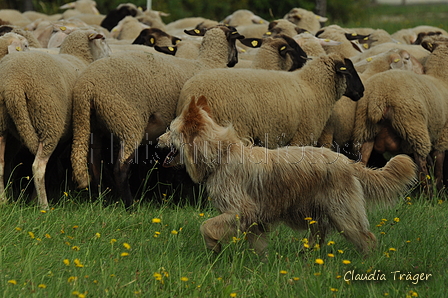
x=384, y=186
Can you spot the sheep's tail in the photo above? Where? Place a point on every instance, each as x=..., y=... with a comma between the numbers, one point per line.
x=82, y=95
x=385, y=186
x=17, y=105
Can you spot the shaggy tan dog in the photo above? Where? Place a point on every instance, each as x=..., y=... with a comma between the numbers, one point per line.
x=255, y=188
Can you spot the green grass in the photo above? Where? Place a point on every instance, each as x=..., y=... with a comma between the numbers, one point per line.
x=395, y=17
x=169, y=258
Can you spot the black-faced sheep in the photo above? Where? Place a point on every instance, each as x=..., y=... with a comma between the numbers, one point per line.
x=305, y=19
x=36, y=98
x=143, y=95
x=276, y=108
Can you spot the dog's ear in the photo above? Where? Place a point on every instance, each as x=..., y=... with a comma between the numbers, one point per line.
x=203, y=104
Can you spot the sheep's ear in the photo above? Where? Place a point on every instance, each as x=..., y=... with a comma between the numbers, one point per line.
x=252, y=42
x=166, y=50
x=355, y=36
x=196, y=32
x=319, y=33
x=175, y=40
x=429, y=45
x=95, y=35
x=68, y=5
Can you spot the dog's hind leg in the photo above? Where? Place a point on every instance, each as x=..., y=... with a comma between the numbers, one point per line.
x=218, y=229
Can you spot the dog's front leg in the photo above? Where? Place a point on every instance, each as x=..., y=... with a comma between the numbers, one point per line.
x=218, y=229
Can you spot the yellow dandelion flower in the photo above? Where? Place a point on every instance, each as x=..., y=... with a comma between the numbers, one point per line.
x=12, y=281
x=72, y=279
x=408, y=241
x=340, y=251
x=77, y=263
x=313, y=222
x=334, y=289
x=124, y=254
x=439, y=202
x=201, y=214
x=338, y=276
x=43, y=211
x=184, y=278
x=42, y=286
x=66, y=262
x=383, y=233
x=331, y=255
x=18, y=229
x=413, y=294
x=157, y=276
x=346, y=262
x=386, y=294
x=97, y=235
x=75, y=227
x=126, y=245
x=396, y=219
x=296, y=278
x=283, y=271
x=306, y=245
x=31, y=234
x=319, y=261
x=76, y=248
x=392, y=249
x=317, y=246
x=308, y=218
x=112, y=241
x=233, y=294
x=81, y=296
x=156, y=220
x=317, y=274
x=174, y=232
x=428, y=177
x=387, y=255
x=75, y=293
x=331, y=243
x=47, y=236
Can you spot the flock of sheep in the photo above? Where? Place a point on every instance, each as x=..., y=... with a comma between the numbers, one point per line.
x=108, y=84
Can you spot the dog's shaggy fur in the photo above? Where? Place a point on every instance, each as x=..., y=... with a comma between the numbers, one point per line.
x=255, y=188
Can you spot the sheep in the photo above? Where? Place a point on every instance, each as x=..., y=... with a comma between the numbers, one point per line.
x=279, y=52
x=154, y=36
x=404, y=111
x=14, y=17
x=410, y=35
x=349, y=46
x=338, y=132
x=416, y=51
x=283, y=26
x=78, y=7
x=12, y=42
x=32, y=40
x=35, y=96
x=152, y=18
x=35, y=16
x=243, y=17
x=128, y=28
x=276, y=108
x=144, y=92
x=305, y=19
x=116, y=15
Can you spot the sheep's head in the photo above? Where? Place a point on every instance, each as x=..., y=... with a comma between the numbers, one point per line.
x=354, y=87
x=430, y=43
x=231, y=35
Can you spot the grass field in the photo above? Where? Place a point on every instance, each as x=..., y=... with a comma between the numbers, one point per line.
x=80, y=249
x=98, y=249
x=393, y=18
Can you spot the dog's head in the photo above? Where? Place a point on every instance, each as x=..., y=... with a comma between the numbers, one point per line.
x=188, y=136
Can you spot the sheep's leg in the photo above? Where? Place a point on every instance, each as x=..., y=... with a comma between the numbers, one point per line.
x=3, y=198
x=439, y=157
x=95, y=159
x=121, y=175
x=39, y=168
x=423, y=174
x=366, y=151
